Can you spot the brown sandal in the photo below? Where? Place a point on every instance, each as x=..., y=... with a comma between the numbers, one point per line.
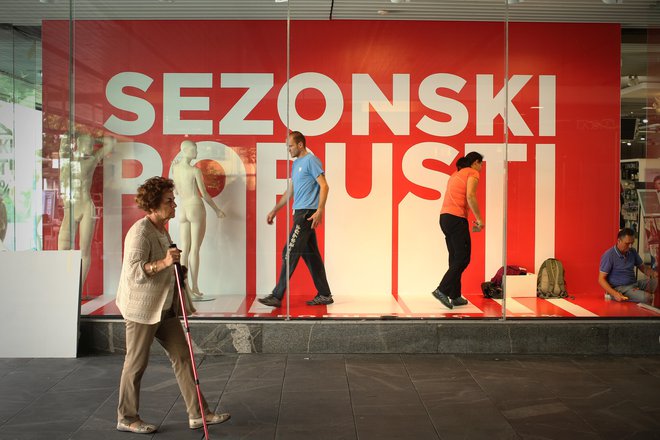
x=137, y=427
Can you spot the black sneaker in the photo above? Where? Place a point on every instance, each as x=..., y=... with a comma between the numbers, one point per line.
x=444, y=299
x=460, y=301
x=321, y=300
x=270, y=300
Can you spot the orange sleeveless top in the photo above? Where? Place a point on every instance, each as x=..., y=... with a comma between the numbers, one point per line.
x=455, y=197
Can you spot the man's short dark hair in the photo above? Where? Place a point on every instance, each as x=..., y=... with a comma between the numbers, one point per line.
x=298, y=137
x=625, y=232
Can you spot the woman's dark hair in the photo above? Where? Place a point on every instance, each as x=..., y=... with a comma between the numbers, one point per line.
x=467, y=161
x=461, y=163
x=150, y=193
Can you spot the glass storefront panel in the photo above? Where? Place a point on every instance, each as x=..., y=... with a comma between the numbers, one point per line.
x=575, y=158
x=179, y=99
x=388, y=104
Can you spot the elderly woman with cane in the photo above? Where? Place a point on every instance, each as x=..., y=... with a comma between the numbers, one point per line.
x=147, y=300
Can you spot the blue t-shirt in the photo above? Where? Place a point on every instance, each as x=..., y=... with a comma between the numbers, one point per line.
x=304, y=172
x=620, y=268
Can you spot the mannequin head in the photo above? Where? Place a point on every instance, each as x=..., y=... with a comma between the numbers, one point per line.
x=189, y=149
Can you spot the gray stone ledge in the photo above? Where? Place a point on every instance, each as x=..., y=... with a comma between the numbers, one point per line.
x=538, y=336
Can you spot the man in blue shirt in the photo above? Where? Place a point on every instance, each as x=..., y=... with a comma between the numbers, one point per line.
x=310, y=192
x=617, y=272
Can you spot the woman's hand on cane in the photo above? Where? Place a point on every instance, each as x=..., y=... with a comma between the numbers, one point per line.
x=173, y=256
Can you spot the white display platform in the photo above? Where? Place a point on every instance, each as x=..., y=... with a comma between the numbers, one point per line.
x=40, y=303
x=521, y=286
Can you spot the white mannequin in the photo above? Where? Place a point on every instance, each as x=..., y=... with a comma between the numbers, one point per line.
x=188, y=185
x=76, y=172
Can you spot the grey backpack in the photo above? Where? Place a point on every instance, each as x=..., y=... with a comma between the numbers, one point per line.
x=550, y=280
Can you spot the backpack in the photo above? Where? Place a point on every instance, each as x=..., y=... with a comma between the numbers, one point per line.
x=491, y=290
x=550, y=280
x=510, y=270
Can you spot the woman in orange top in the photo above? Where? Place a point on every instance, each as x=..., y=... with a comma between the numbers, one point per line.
x=460, y=194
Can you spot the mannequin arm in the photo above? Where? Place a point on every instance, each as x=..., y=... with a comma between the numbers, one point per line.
x=199, y=179
x=108, y=147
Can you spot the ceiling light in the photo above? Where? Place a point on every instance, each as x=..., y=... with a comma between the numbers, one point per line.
x=513, y=2
x=383, y=12
x=612, y=2
x=400, y=1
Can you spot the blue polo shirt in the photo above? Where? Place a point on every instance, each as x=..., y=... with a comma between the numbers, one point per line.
x=620, y=268
x=306, y=189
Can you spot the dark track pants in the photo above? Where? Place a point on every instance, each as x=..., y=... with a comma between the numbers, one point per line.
x=303, y=243
x=459, y=245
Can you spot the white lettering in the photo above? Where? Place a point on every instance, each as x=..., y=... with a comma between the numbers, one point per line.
x=547, y=105
x=269, y=187
x=489, y=107
x=494, y=156
x=455, y=109
x=114, y=93
x=422, y=257
x=257, y=85
x=366, y=99
x=174, y=103
x=334, y=103
x=359, y=224
x=115, y=185
x=367, y=94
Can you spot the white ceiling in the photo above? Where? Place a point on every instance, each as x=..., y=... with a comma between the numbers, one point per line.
x=630, y=14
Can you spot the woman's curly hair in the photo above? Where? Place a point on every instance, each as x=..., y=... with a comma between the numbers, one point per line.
x=150, y=193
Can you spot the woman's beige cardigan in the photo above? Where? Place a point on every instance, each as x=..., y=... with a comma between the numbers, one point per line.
x=140, y=297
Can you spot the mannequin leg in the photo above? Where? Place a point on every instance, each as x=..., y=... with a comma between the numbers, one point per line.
x=184, y=236
x=86, y=234
x=197, y=232
x=64, y=241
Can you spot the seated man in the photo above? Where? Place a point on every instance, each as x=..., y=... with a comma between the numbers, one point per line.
x=617, y=272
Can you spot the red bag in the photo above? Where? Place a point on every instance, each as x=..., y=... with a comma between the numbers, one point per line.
x=510, y=270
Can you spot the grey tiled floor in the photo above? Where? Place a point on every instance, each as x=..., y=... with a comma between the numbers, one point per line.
x=334, y=396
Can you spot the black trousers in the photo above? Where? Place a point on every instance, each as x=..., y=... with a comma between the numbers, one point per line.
x=303, y=243
x=459, y=245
